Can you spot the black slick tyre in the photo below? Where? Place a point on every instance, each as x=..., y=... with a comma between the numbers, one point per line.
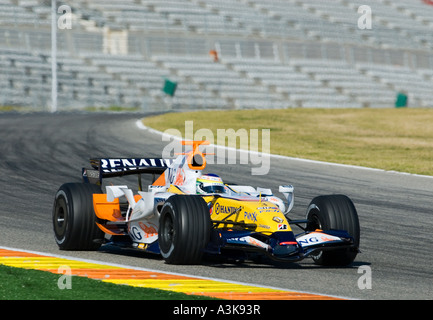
x=184, y=229
x=334, y=212
x=74, y=220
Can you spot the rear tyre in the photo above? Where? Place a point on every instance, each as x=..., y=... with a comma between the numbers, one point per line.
x=334, y=212
x=74, y=220
x=184, y=229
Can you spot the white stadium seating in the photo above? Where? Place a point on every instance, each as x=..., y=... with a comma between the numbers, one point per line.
x=271, y=54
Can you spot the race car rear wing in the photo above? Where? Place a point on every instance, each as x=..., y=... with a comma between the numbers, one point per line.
x=117, y=167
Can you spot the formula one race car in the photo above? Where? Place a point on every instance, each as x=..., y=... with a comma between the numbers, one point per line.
x=185, y=214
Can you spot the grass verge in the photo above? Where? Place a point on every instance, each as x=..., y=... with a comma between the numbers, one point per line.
x=390, y=139
x=24, y=284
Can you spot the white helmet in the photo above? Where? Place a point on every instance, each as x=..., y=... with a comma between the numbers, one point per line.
x=210, y=183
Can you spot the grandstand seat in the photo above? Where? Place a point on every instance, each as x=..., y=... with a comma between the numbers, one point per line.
x=272, y=53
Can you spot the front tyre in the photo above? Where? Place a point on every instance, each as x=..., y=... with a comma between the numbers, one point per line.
x=334, y=212
x=184, y=229
x=74, y=219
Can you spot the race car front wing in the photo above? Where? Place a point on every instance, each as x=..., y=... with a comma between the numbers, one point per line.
x=280, y=246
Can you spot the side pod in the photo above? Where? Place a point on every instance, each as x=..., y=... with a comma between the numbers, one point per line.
x=106, y=210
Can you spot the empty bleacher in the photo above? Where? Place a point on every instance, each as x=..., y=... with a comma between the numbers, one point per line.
x=272, y=54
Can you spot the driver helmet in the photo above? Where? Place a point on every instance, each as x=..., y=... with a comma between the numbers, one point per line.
x=210, y=183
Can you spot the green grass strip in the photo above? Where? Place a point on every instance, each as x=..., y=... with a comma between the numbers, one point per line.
x=398, y=139
x=24, y=284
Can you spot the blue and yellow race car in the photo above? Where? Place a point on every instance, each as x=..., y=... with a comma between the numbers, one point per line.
x=186, y=214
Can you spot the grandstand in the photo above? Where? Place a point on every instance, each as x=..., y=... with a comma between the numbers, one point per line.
x=271, y=54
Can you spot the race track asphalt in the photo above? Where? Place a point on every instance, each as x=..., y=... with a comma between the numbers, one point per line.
x=39, y=152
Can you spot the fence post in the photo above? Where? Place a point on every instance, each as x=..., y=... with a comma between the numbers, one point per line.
x=54, y=55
